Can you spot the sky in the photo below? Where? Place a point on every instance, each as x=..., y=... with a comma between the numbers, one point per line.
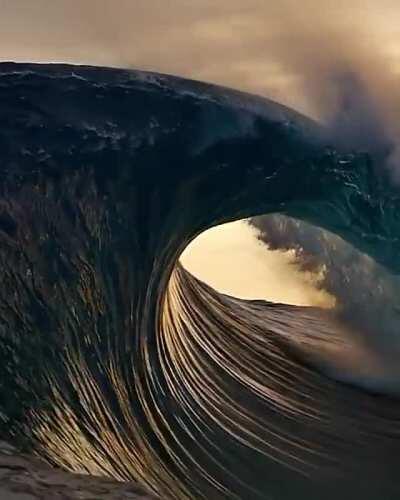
x=296, y=52
x=267, y=47
x=249, y=270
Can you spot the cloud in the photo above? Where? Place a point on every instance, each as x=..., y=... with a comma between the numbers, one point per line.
x=337, y=61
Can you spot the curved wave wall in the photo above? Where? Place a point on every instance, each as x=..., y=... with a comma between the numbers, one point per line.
x=114, y=359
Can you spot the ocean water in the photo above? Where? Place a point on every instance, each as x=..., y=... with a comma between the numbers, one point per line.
x=116, y=361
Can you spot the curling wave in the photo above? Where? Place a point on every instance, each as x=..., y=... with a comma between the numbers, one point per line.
x=114, y=359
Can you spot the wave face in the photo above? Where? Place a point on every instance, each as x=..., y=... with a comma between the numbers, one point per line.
x=115, y=360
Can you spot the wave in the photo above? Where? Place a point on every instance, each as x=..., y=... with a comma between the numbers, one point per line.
x=114, y=359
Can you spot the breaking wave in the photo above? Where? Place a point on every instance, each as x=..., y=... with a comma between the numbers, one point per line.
x=114, y=359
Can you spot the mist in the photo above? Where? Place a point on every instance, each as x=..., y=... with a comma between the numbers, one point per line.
x=364, y=291
x=231, y=260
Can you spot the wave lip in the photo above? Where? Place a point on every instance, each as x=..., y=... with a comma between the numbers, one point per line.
x=116, y=361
